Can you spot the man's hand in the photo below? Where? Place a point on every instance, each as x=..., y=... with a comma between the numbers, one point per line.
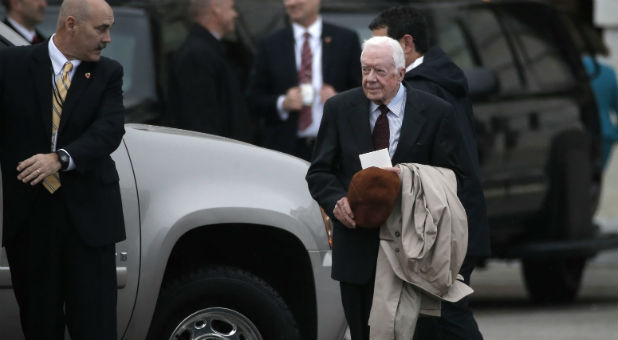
x=326, y=92
x=34, y=169
x=344, y=214
x=293, y=100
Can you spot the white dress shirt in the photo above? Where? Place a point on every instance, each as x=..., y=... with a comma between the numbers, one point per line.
x=315, y=42
x=58, y=60
x=415, y=63
x=28, y=34
x=396, y=111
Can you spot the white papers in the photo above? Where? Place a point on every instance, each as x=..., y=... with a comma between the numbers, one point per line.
x=379, y=158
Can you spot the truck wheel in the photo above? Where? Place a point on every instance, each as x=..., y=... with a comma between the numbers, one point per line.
x=569, y=217
x=569, y=205
x=553, y=281
x=222, y=303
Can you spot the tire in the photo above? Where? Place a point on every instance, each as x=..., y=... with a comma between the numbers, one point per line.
x=222, y=303
x=570, y=200
x=569, y=217
x=553, y=281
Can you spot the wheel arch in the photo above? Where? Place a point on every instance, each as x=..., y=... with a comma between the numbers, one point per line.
x=275, y=255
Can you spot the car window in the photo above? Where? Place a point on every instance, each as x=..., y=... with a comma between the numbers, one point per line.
x=545, y=67
x=493, y=48
x=356, y=21
x=450, y=36
x=131, y=46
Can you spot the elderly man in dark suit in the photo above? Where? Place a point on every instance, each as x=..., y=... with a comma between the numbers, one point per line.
x=414, y=126
x=23, y=16
x=429, y=69
x=61, y=116
x=295, y=71
x=205, y=92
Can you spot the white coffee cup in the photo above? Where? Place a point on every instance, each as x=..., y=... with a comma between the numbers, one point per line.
x=308, y=93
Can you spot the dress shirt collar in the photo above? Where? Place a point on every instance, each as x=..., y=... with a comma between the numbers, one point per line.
x=396, y=104
x=58, y=59
x=314, y=29
x=28, y=34
x=215, y=34
x=415, y=63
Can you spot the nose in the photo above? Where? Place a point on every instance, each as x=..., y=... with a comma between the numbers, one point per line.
x=107, y=37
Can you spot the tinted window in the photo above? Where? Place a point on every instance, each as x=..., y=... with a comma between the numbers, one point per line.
x=493, y=49
x=452, y=38
x=131, y=47
x=546, y=68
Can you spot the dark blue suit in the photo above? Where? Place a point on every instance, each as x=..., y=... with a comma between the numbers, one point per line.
x=274, y=72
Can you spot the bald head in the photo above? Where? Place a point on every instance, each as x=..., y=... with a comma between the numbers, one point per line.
x=83, y=28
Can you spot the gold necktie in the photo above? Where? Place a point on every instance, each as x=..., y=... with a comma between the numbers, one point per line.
x=52, y=182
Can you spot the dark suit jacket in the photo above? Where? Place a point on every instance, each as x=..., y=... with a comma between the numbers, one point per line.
x=40, y=37
x=274, y=72
x=91, y=128
x=439, y=76
x=205, y=93
x=428, y=136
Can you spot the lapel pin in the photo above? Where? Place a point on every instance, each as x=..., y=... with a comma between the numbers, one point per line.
x=328, y=39
x=87, y=75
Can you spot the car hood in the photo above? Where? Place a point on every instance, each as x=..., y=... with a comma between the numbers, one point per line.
x=192, y=176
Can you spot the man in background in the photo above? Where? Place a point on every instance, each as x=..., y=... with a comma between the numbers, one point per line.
x=430, y=70
x=23, y=16
x=205, y=92
x=296, y=70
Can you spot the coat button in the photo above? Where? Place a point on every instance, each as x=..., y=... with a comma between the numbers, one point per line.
x=397, y=234
x=396, y=250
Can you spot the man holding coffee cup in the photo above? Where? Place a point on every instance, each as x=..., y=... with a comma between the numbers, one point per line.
x=296, y=70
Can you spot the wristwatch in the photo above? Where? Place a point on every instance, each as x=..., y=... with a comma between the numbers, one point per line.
x=64, y=159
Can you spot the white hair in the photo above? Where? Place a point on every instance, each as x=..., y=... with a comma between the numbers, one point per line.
x=396, y=50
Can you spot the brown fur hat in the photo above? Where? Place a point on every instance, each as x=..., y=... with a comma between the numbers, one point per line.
x=372, y=195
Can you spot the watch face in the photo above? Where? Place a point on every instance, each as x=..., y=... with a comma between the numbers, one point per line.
x=64, y=158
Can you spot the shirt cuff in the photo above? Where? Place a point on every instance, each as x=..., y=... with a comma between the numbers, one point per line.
x=284, y=115
x=71, y=163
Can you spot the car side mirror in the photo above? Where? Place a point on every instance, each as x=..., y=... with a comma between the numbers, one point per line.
x=482, y=82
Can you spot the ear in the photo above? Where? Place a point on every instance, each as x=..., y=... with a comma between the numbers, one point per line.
x=70, y=23
x=407, y=42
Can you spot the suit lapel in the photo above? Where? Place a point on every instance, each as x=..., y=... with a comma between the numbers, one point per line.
x=81, y=79
x=411, y=127
x=287, y=52
x=42, y=73
x=327, y=52
x=358, y=120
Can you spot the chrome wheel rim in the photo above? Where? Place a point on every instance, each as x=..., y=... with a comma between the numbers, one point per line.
x=216, y=323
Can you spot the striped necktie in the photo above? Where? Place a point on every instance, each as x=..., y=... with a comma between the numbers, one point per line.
x=52, y=182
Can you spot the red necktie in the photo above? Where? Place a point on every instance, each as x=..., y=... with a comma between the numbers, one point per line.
x=304, y=76
x=35, y=39
x=381, y=132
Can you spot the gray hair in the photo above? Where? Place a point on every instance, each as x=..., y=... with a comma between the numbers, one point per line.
x=399, y=59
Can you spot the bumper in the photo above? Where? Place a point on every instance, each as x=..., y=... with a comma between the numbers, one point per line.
x=563, y=249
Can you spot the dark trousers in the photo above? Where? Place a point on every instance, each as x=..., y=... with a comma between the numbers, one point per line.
x=357, y=301
x=58, y=280
x=456, y=321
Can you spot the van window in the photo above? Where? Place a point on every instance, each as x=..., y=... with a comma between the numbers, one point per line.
x=494, y=51
x=545, y=68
